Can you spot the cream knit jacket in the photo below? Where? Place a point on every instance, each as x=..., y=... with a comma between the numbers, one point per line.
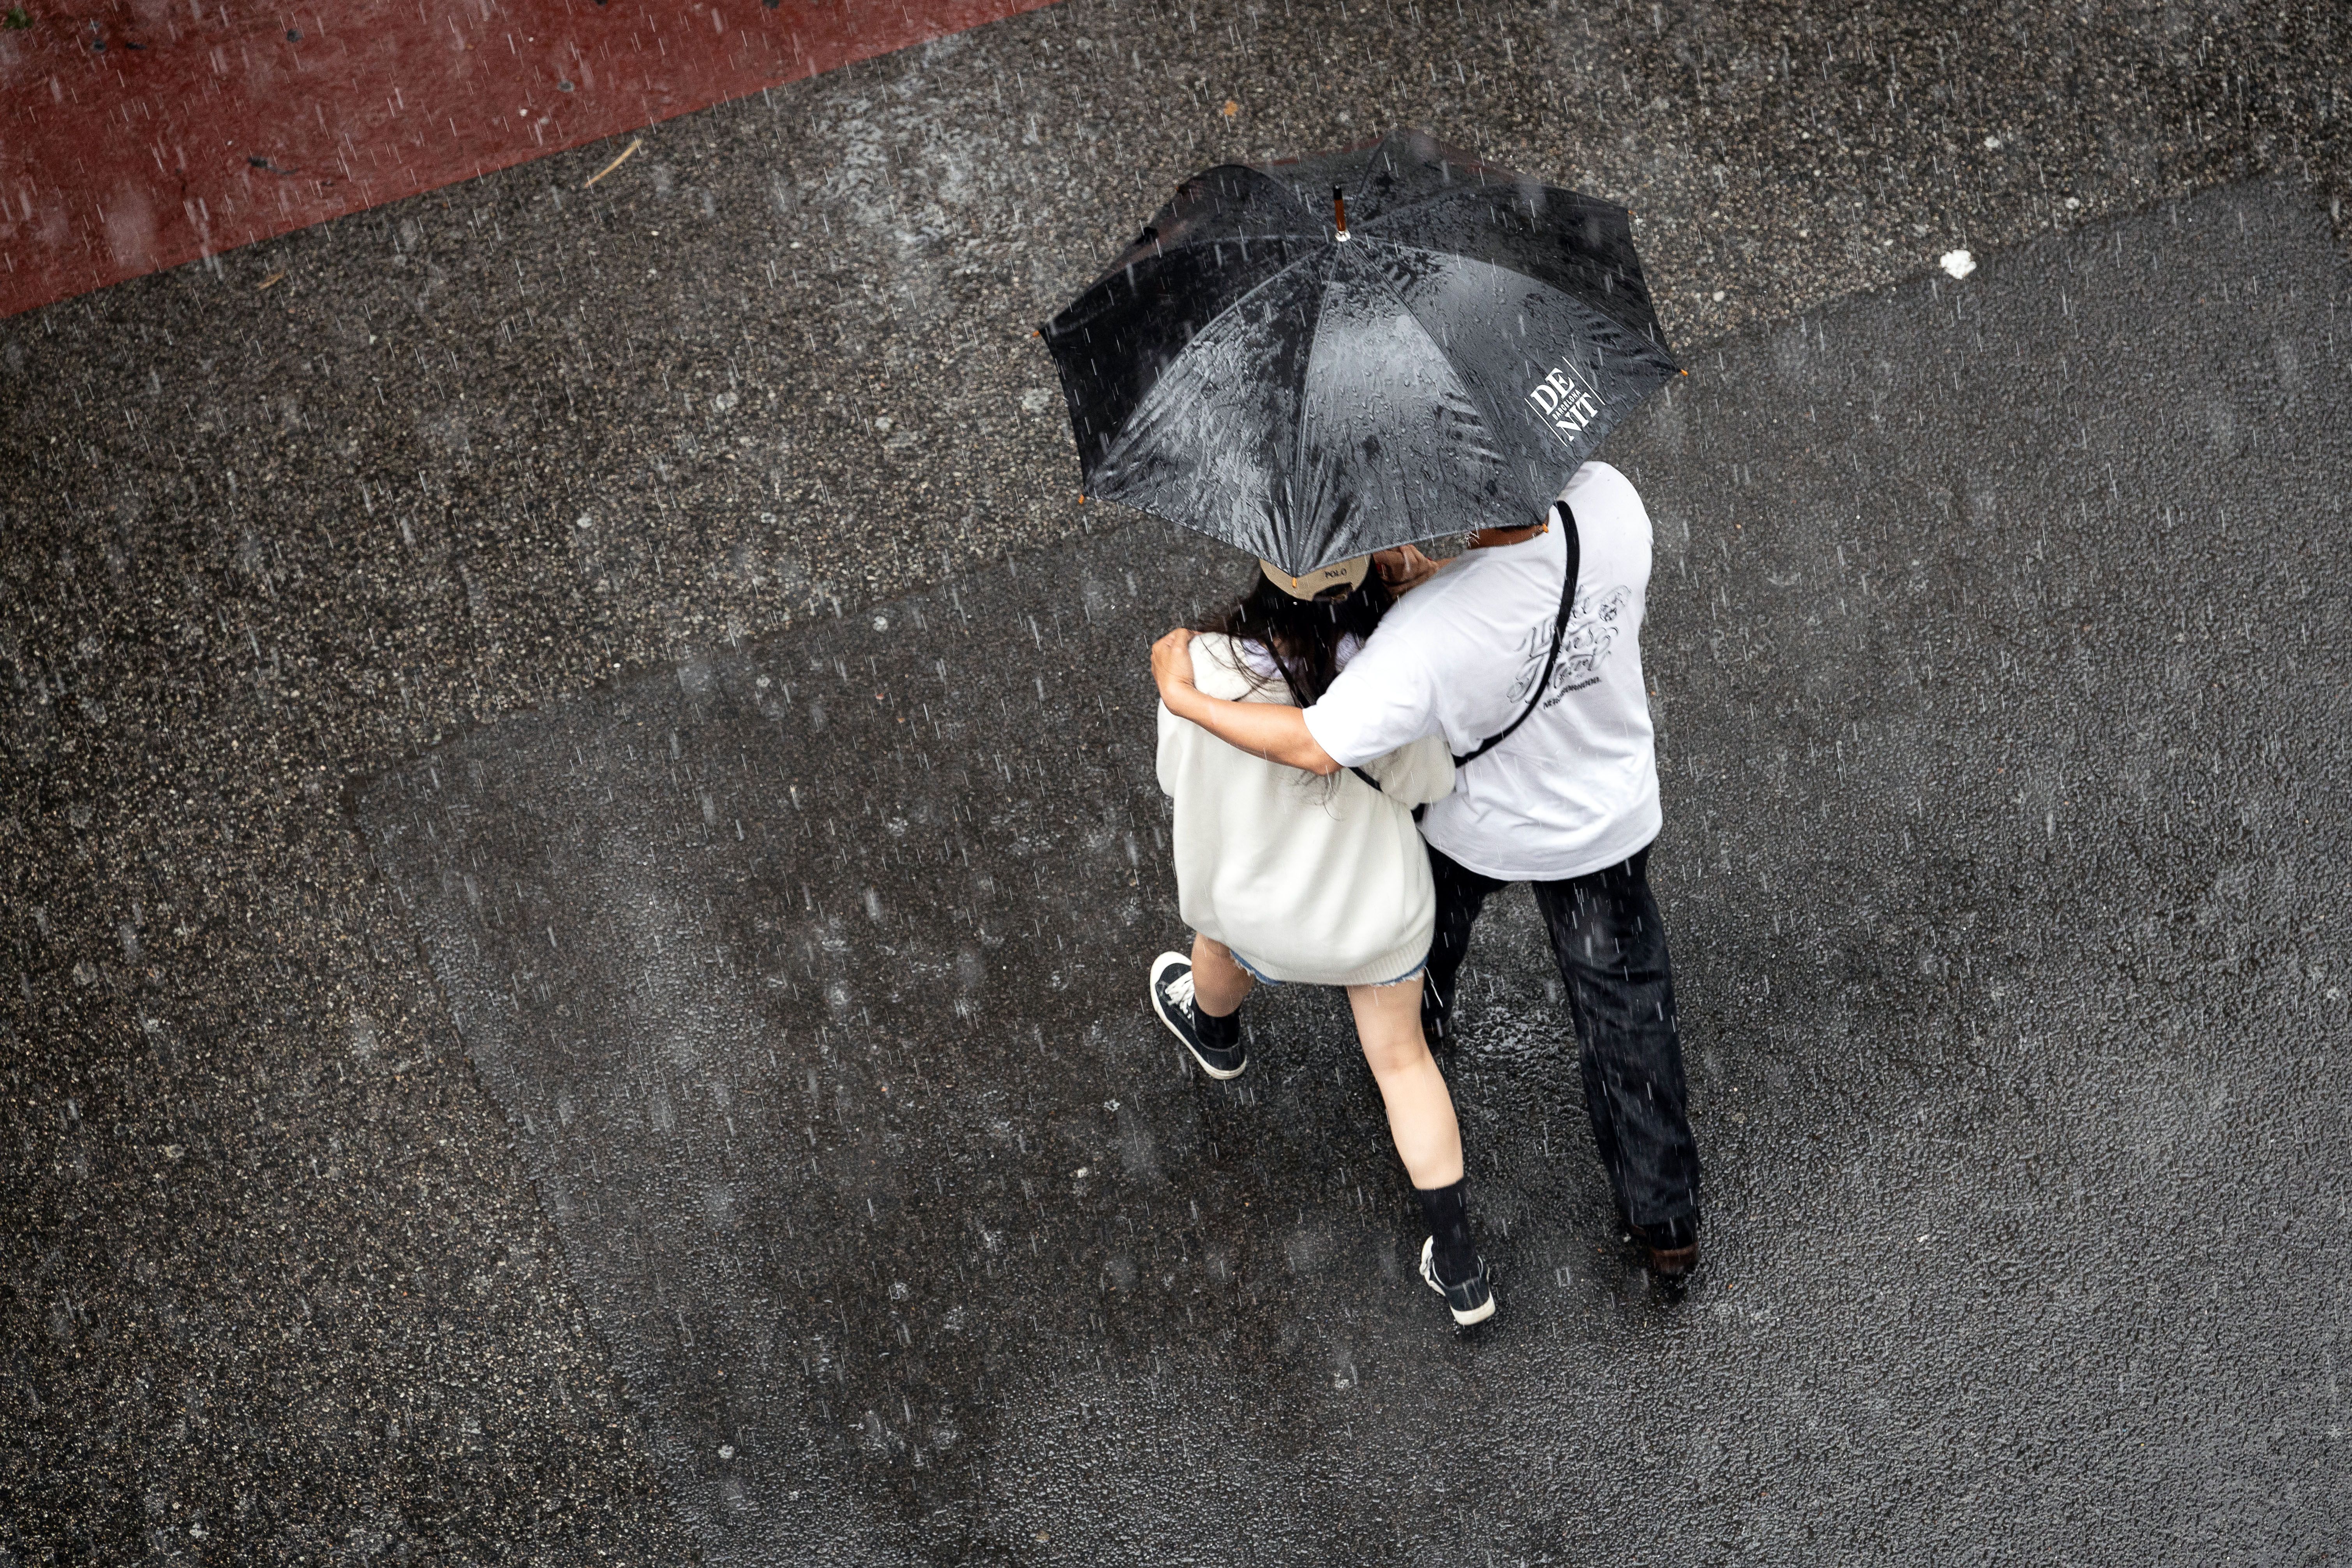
x=1320, y=880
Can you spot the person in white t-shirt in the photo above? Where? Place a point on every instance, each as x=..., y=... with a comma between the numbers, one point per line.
x=1286, y=877
x=1567, y=801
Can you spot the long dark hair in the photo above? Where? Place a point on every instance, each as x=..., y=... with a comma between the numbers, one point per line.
x=1303, y=636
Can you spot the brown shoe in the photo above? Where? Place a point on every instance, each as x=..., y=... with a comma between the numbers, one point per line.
x=1671, y=1246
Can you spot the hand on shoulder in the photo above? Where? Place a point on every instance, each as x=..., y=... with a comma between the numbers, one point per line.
x=1171, y=663
x=1404, y=568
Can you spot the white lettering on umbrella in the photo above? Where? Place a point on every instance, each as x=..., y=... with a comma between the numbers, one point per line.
x=1566, y=401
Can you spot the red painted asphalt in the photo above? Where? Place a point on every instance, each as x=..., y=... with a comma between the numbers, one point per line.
x=138, y=135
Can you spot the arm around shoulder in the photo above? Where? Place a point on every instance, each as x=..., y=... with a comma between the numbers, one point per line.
x=1273, y=731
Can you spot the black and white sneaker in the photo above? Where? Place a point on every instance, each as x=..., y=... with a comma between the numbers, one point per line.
x=1171, y=998
x=1472, y=1301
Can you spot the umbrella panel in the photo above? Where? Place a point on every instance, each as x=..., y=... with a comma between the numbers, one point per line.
x=1211, y=443
x=1366, y=479
x=1123, y=336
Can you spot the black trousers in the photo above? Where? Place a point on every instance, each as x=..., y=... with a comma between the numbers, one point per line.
x=1611, y=951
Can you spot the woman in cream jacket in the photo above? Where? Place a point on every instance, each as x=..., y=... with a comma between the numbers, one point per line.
x=1284, y=877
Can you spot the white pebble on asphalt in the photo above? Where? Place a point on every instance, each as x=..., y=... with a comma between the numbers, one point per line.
x=1958, y=263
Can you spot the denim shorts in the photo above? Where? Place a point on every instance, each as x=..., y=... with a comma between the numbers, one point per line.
x=1412, y=973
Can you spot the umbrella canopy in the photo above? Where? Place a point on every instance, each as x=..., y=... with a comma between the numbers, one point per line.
x=1314, y=359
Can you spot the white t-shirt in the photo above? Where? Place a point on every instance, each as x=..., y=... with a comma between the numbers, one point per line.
x=1575, y=788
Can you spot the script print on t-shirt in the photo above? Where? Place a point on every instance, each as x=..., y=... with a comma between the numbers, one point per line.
x=1593, y=623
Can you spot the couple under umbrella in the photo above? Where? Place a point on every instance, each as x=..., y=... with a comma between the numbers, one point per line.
x=1323, y=362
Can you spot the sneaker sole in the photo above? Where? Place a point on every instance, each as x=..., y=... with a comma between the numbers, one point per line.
x=1160, y=1010
x=1477, y=1314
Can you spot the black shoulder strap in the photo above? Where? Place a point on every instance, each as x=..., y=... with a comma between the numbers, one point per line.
x=1573, y=549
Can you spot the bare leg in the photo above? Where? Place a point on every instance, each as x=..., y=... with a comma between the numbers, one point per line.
x=1218, y=983
x=1420, y=1111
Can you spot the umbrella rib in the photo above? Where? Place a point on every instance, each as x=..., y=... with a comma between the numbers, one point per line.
x=1283, y=189
x=1167, y=250
x=1632, y=327
x=1305, y=384
x=1363, y=185
x=1371, y=226
x=1364, y=174
x=1364, y=180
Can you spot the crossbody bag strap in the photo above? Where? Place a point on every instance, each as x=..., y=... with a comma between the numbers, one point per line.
x=1573, y=549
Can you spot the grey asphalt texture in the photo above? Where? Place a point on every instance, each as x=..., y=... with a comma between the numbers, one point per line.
x=276, y=1284
x=2002, y=680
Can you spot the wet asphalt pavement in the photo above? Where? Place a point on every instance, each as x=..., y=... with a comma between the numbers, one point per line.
x=276, y=1283
x=2001, y=678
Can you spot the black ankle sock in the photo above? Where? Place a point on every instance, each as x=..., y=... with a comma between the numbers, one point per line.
x=1218, y=1031
x=1447, y=1209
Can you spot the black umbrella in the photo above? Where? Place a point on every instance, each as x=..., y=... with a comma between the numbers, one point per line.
x=1320, y=358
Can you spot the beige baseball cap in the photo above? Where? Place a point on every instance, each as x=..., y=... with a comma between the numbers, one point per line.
x=1348, y=574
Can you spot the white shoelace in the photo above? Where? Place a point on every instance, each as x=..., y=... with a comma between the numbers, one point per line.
x=1179, y=990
